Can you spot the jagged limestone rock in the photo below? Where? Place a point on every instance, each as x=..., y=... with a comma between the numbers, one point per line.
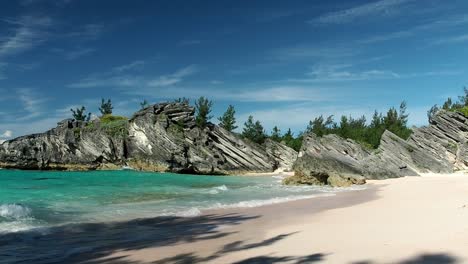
x=284, y=155
x=439, y=148
x=162, y=137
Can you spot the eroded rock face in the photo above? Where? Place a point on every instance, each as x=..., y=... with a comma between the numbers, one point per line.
x=439, y=148
x=284, y=155
x=68, y=146
x=162, y=137
x=166, y=136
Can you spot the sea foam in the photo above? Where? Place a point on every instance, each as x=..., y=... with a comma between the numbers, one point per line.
x=14, y=211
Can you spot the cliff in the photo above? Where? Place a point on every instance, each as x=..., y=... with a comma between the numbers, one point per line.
x=440, y=147
x=162, y=137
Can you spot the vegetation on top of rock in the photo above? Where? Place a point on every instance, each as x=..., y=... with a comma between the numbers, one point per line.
x=228, y=120
x=368, y=135
x=106, y=107
x=114, y=126
x=182, y=100
x=254, y=131
x=288, y=138
x=80, y=114
x=144, y=104
x=460, y=106
x=203, y=109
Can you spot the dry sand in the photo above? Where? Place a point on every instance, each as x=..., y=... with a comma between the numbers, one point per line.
x=406, y=220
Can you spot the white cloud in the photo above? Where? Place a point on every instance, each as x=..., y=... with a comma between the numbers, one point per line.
x=452, y=40
x=438, y=24
x=76, y=54
x=378, y=8
x=115, y=79
x=190, y=42
x=28, y=33
x=344, y=72
x=2, y=68
x=129, y=66
x=34, y=126
x=297, y=117
x=6, y=134
x=308, y=52
x=88, y=32
x=32, y=104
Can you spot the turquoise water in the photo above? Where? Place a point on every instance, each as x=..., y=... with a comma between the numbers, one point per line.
x=32, y=199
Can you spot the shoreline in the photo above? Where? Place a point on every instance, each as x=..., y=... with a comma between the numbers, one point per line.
x=402, y=220
x=391, y=221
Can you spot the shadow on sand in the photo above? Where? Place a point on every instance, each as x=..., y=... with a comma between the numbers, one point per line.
x=82, y=243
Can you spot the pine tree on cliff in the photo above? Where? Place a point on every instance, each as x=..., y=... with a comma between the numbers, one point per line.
x=254, y=131
x=106, y=107
x=276, y=134
x=228, y=120
x=80, y=115
x=144, y=104
x=203, y=109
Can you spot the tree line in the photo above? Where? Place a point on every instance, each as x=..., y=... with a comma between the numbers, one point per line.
x=452, y=106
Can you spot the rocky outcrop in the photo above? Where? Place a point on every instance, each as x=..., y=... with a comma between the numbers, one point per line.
x=284, y=155
x=440, y=147
x=162, y=137
x=165, y=136
x=68, y=146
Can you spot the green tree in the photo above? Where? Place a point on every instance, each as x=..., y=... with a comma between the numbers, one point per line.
x=276, y=134
x=203, y=109
x=106, y=107
x=291, y=141
x=182, y=100
x=254, y=131
x=80, y=114
x=319, y=126
x=448, y=104
x=432, y=113
x=228, y=120
x=144, y=104
x=464, y=98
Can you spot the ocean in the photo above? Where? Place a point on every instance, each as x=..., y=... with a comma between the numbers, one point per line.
x=42, y=199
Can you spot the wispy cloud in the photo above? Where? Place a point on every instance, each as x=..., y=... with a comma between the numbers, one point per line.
x=32, y=104
x=117, y=78
x=452, y=40
x=308, y=52
x=129, y=66
x=431, y=26
x=190, y=42
x=88, y=32
x=171, y=79
x=378, y=8
x=345, y=73
x=74, y=54
x=28, y=32
x=6, y=134
x=2, y=69
x=339, y=73
x=33, y=2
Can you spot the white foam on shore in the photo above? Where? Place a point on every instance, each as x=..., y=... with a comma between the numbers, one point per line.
x=275, y=200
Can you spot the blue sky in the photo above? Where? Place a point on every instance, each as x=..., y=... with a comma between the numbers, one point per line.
x=285, y=62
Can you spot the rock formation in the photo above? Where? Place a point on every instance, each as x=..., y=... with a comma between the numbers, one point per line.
x=439, y=148
x=162, y=137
